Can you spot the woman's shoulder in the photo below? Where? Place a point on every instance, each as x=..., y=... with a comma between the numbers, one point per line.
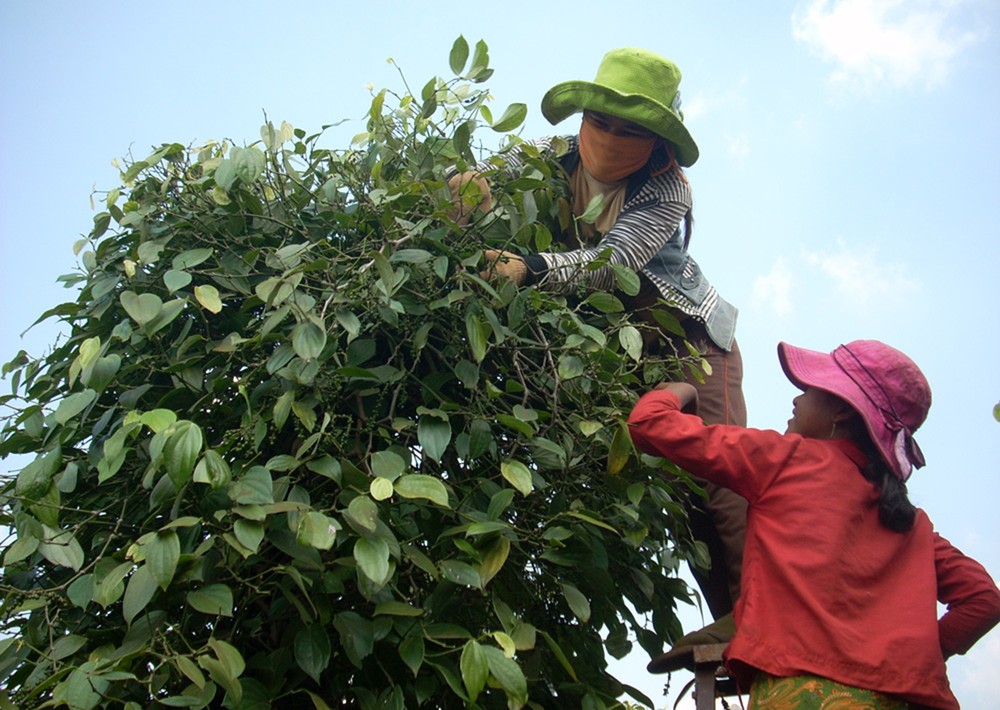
x=664, y=184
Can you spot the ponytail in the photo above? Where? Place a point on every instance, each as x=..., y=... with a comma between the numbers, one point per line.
x=895, y=511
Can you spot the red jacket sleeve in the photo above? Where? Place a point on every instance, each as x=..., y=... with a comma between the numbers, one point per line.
x=971, y=595
x=741, y=459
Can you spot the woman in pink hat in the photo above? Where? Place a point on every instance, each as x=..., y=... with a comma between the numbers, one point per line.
x=842, y=574
x=630, y=151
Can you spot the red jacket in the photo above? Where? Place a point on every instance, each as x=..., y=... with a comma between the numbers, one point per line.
x=826, y=588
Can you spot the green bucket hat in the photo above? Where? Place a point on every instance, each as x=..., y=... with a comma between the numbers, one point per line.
x=634, y=84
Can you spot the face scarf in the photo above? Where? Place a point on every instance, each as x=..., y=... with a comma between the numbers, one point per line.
x=609, y=157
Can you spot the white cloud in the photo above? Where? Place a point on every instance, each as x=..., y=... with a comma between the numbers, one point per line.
x=876, y=42
x=861, y=280
x=774, y=289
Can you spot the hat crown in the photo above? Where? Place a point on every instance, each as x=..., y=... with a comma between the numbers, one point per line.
x=633, y=84
x=639, y=72
x=889, y=378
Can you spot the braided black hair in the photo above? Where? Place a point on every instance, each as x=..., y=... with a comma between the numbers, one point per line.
x=895, y=511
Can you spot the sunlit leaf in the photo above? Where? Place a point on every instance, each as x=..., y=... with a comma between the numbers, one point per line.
x=475, y=669
x=208, y=297
x=416, y=485
x=518, y=475
x=142, y=308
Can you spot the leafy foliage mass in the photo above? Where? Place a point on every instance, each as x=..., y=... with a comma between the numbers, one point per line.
x=293, y=450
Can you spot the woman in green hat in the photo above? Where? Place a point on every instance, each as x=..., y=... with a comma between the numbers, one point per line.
x=631, y=148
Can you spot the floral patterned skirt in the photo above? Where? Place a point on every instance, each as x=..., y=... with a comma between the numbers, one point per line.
x=810, y=692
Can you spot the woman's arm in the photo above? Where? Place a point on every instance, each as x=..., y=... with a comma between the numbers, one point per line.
x=648, y=221
x=971, y=595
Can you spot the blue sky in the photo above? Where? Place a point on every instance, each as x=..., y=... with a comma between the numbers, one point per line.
x=847, y=186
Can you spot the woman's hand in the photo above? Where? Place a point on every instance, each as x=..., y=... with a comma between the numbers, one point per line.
x=504, y=264
x=469, y=192
x=687, y=394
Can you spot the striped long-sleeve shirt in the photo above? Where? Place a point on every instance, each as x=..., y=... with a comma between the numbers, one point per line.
x=646, y=237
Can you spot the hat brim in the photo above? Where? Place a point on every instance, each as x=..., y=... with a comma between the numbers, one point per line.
x=811, y=368
x=571, y=97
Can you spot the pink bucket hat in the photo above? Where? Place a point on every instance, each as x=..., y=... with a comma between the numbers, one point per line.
x=882, y=384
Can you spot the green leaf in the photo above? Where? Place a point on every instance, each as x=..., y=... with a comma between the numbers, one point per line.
x=317, y=530
x=387, y=464
x=512, y=118
x=559, y=654
x=186, y=666
x=395, y=608
x=81, y=591
x=508, y=674
x=23, y=547
x=631, y=341
x=380, y=489
x=570, y=366
x=156, y=419
x=249, y=533
x=620, y=450
x=61, y=548
x=372, y=556
x=480, y=71
x=475, y=669
x=254, y=487
x=141, y=308
x=594, y=209
x=212, y=599
x=191, y=257
x=213, y=470
x=459, y=55
x=34, y=480
x=313, y=650
x=73, y=405
x=434, y=435
x=162, y=554
x=181, y=450
x=248, y=163
x=417, y=485
x=411, y=650
x=349, y=322
x=308, y=339
x=604, y=302
x=138, y=593
x=66, y=646
x=461, y=573
x=628, y=280
x=363, y=512
x=577, y=602
x=477, y=332
x=175, y=280
x=208, y=297
x=494, y=558
x=517, y=475
x=111, y=587
x=356, y=636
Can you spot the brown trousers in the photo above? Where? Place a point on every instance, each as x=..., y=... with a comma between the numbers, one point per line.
x=720, y=521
